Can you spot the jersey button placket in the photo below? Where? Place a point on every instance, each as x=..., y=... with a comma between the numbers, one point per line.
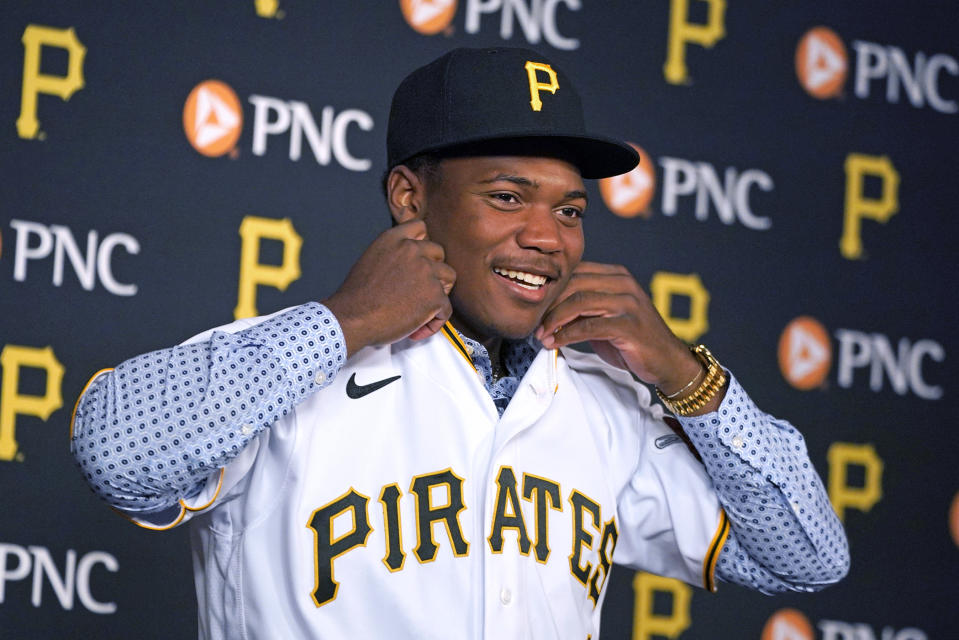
x=502, y=577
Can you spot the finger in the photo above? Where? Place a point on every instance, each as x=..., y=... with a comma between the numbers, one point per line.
x=412, y=229
x=446, y=275
x=424, y=332
x=584, y=329
x=434, y=325
x=599, y=268
x=431, y=250
x=614, y=285
x=602, y=283
x=605, y=278
x=583, y=304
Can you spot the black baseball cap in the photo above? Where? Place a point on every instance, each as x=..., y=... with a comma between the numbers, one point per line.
x=477, y=97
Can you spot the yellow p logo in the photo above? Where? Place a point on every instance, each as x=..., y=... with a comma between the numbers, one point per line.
x=535, y=86
x=34, y=82
x=646, y=623
x=858, y=206
x=842, y=456
x=665, y=286
x=682, y=31
x=12, y=402
x=253, y=272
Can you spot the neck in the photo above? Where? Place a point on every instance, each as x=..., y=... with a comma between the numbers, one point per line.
x=495, y=359
x=492, y=343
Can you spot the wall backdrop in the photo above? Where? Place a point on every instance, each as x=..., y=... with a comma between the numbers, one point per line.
x=168, y=166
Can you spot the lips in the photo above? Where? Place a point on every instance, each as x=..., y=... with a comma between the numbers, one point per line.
x=523, y=278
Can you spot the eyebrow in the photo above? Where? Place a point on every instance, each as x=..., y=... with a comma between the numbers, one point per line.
x=526, y=182
x=520, y=180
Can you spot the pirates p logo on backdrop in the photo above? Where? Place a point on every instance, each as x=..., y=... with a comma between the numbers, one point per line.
x=35, y=38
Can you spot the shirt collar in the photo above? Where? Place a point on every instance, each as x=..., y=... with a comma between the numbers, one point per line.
x=517, y=354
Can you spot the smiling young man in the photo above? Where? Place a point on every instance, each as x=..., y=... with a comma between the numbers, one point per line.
x=422, y=455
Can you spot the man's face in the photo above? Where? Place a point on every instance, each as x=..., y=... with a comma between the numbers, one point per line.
x=512, y=230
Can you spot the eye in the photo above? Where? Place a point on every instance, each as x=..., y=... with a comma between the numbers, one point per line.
x=506, y=198
x=572, y=212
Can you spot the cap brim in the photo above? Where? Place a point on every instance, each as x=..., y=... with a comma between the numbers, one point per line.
x=595, y=156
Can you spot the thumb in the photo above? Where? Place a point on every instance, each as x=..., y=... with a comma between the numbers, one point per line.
x=428, y=329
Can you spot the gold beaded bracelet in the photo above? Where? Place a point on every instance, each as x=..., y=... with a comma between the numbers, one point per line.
x=714, y=381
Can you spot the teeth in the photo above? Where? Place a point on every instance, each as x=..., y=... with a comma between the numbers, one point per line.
x=522, y=276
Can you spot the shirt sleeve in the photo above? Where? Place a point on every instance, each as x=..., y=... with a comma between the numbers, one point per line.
x=784, y=534
x=153, y=432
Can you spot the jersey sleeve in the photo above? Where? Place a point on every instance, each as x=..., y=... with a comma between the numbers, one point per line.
x=671, y=521
x=155, y=435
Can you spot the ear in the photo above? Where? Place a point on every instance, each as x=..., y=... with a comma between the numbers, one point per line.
x=405, y=194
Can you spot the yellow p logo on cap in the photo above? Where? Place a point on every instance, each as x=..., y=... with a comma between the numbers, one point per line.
x=535, y=86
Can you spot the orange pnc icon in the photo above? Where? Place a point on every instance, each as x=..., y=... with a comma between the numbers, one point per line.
x=628, y=195
x=428, y=16
x=805, y=353
x=822, y=63
x=212, y=118
x=788, y=624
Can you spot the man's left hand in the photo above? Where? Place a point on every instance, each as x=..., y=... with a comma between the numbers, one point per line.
x=605, y=306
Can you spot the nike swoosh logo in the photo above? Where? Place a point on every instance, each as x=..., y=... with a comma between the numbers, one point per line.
x=357, y=391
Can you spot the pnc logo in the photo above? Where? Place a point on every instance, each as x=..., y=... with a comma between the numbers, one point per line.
x=22, y=567
x=535, y=19
x=428, y=17
x=212, y=118
x=822, y=63
x=213, y=122
x=630, y=194
x=788, y=624
x=726, y=194
x=805, y=353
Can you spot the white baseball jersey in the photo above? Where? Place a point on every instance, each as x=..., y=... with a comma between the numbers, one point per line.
x=397, y=503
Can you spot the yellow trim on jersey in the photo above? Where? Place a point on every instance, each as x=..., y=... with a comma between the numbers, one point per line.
x=151, y=527
x=712, y=554
x=555, y=372
x=454, y=338
x=450, y=332
x=73, y=416
x=184, y=507
x=216, y=494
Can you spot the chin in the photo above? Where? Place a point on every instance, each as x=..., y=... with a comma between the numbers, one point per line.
x=481, y=326
x=513, y=328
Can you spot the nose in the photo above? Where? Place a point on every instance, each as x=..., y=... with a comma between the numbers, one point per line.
x=540, y=231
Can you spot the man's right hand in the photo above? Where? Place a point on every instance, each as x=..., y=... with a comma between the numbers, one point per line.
x=399, y=287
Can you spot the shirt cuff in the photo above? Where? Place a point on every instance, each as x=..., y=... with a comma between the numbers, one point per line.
x=309, y=343
x=739, y=429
